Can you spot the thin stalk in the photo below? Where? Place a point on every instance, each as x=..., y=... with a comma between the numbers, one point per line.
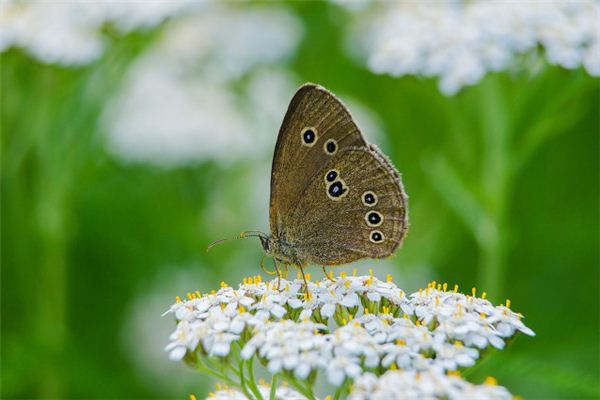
x=252, y=380
x=338, y=392
x=306, y=391
x=273, y=387
x=219, y=375
x=494, y=182
x=243, y=380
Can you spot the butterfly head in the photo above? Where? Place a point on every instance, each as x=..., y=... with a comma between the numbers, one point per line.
x=265, y=242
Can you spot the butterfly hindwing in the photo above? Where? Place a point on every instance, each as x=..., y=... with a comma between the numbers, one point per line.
x=369, y=218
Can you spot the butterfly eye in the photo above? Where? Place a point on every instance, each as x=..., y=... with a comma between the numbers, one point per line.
x=376, y=237
x=369, y=199
x=330, y=147
x=337, y=190
x=374, y=218
x=331, y=175
x=309, y=136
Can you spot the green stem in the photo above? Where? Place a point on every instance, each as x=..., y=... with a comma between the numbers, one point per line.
x=240, y=370
x=252, y=380
x=243, y=380
x=273, y=387
x=201, y=366
x=494, y=183
x=306, y=391
x=338, y=392
x=52, y=224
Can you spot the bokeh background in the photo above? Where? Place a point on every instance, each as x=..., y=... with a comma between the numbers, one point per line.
x=135, y=133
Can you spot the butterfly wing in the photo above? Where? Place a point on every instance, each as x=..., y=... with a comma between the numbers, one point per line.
x=366, y=217
x=315, y=122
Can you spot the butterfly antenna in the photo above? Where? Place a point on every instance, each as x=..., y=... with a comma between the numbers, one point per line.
x=243, y=235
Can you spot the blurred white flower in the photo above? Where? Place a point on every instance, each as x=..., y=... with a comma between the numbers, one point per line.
x=69, y=32
x=354, y=341
x=143, y=331
x=409, y=385
x=341, y=367
x=461, y=41
x=452, y=356
x=185, y=101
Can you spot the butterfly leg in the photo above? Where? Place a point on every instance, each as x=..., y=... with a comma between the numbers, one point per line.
x=304, y=278
x=262, y=266
x=278, y=272
x=329, y=275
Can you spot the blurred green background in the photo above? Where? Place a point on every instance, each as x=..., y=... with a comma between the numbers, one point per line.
x=100, y=232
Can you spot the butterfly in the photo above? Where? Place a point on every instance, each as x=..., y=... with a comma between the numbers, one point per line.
x=335, y=198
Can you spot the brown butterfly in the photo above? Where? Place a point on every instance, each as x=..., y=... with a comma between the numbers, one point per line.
x=334, y=197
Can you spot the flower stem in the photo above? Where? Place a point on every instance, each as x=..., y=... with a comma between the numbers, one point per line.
x=243, y=380
x=252, y=380
x=306, y=391
x=203, y=367
x=273, y=387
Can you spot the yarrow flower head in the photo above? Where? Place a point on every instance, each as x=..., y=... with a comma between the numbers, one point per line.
x=69, y=33
x=352, y=329
x=461, y=41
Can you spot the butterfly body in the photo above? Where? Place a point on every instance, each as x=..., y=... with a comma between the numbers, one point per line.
x=283, y=251
x=334, y=197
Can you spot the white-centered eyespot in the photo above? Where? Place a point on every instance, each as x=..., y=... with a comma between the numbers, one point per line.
x=331, y=175
x=337, y=190
x=330, y=147
x=374, y=218
x=376, y=237
x=369, y=198
x=309, y=136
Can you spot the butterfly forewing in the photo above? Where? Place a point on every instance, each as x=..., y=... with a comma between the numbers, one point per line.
x=334, y=198
x=297, y=160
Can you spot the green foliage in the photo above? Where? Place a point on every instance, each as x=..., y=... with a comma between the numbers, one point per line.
x=503, y=184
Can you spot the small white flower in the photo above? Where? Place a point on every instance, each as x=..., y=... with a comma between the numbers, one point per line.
x=508, y=322
x=181, y=340
x=219, y=344
x=290, y=292
x=235, y=297
x=328, y=309
x=342, y=367
x=449, y=357
x=378, y=326
x=354, y=341
x=400, y=354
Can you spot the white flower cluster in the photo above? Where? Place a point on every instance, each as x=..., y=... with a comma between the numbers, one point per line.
x=404, y=385
x=69, y=33
x=211, y=87
x=461, y=41
x=343, y=326
x=229, y=393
